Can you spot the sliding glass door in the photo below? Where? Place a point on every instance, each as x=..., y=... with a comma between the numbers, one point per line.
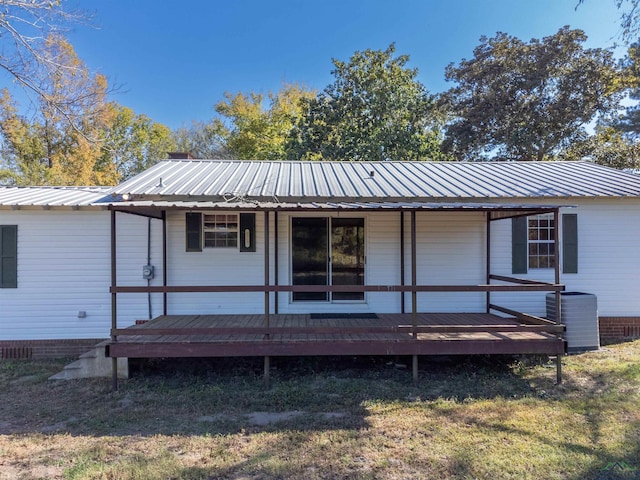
x=347, y=256
x=310, y=255
x=327, y=251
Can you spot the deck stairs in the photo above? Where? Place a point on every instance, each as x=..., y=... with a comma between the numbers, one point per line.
x=92, y=364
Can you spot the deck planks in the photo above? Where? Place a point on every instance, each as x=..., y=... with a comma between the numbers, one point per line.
x=491, y=340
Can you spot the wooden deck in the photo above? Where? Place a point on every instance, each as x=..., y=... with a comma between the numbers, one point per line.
x=303, y=335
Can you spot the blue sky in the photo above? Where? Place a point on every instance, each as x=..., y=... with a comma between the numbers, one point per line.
x=174, y=60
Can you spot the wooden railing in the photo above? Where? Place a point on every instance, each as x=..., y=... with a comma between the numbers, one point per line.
x=528, y=323
x=529, y=286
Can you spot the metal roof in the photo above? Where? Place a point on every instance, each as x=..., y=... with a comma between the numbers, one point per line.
x=315, y=185
x=371, y=181
x=499, y=210
x=202, y=205
x=54, y=196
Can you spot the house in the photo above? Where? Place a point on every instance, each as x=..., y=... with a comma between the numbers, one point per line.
x=270, y=243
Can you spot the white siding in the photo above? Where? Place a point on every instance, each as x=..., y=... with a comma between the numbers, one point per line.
x=213, y=266
x=450, y=250
x=608, y=258
x=64, y=268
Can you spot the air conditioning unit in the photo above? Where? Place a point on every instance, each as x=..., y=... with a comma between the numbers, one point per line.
x=579, y=312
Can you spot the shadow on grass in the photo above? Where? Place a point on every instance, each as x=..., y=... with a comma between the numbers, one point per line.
x=333, y=397
x=225, y=396
x=597, y=401
x=605, y=342
x=600, y=463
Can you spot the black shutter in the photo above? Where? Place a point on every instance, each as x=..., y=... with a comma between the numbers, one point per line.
x=8, y=256
x=570, y=243
x=519, y=247
x=193, y=231
x=247, y=234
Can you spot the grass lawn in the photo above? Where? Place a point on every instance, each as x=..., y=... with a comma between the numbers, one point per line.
x=467, y=418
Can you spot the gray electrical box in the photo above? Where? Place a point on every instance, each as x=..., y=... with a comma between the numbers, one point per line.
x=148, y=272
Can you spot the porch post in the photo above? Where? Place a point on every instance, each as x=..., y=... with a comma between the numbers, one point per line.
x=402, y=273
x=114, y=302
x=558, y=297
x=414, y=293
x=266, y=292
x=275, y=261
x=266, y=269
x=488, y=260
x=164, y=261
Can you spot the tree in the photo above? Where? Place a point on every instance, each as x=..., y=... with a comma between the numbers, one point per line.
x=49, y=150
x=201, y=140
x=375, y=109
x=254, y=126
x=608, y=147
x=133, y=142
x=527, y=101
x=26, y=28
x=629, y=122
x=629, y=17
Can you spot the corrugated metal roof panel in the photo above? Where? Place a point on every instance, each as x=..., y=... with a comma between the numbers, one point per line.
x=272, y=205
x=54, y=196
x=343, y=182
x=380, y=180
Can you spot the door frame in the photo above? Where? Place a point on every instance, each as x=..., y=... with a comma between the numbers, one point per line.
x=329, y=218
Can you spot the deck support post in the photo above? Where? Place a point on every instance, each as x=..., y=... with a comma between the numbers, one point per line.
x=415, y=368
x=559, y=369
x=266, y=371
x=114, y=302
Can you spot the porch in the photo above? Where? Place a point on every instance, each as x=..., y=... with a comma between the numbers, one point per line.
x=337, y=334
x=408, y=329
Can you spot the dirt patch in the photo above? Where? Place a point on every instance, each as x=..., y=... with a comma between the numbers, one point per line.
x=268, y=418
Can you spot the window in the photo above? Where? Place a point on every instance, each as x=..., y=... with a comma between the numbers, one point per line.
x=193, y=222
x=215, y=230
x=533, y=243
x=8, y=256
x=220, y=230
x=541, y=234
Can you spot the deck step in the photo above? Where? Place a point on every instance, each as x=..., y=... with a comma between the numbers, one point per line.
x=92, y=364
